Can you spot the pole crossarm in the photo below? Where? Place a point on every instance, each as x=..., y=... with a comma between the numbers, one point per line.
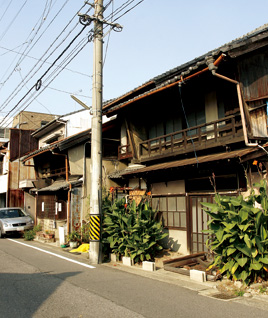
x=87, y=19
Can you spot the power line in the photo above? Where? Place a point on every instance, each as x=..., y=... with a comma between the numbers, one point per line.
x=19, y=87
x=34, y=58
x=129, y=10
x=44, y=87
x=14, y=93
x=106, y=49
x=4, y=13
x=69, y=93
x=29, y=42
x=12, y=20
x=39, y=82
x=28, y=88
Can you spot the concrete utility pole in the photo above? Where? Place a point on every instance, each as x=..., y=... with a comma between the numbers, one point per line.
x=96, y=138
x=96, y=129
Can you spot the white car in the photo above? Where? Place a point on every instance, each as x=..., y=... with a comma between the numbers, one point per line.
x=14, y=220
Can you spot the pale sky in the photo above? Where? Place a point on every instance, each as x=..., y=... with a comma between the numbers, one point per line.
x=157, y=36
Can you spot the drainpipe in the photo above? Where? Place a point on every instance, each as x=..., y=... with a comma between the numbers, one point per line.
x=84, y=183
x=212, y=67
x=69, y=191
x=85, y=170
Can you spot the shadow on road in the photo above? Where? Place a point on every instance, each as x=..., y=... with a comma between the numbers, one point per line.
x=22, y=294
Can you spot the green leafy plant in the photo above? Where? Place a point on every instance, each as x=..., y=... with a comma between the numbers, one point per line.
x=29, y=235
x=262, y=289
x=239, y=229
x=239, y=293
x=74, y=236
x=85, y=232
x=37, y=228
x=130, y=230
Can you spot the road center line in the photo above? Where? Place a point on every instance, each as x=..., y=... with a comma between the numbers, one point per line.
x=59, y=256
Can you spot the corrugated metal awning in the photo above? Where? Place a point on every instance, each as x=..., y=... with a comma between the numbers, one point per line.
x=61, y=185
x=185, y=162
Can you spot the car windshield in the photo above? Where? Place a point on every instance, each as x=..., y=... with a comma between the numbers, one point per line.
x=11, y=213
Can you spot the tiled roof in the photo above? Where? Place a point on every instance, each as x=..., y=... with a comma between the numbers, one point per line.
x=164, y=78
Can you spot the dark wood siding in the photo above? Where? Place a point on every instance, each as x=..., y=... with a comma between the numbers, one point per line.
x=21, y=143
x=254, y=76
x=16, y=198
x=49, y=211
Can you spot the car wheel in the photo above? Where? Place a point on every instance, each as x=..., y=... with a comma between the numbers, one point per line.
x=1, y=235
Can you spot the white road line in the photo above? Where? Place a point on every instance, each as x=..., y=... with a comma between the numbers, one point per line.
x=59, y=256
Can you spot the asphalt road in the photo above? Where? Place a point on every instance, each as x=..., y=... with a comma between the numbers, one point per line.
x=34, y=282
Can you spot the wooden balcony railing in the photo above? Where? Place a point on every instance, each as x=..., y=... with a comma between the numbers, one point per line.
x=124, y=152
x=47, y=173
x=220, y=132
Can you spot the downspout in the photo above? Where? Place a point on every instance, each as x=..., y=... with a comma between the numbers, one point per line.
x=85, y=170
x=69, y=191
x=84, y=182
x=212, y=67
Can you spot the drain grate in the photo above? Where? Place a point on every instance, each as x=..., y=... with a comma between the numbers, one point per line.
x=223, y=296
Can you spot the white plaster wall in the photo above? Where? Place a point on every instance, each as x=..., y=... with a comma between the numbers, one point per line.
x=171, y=187
x=76, y=160
x=77, y=122
x=137, y=183
x=123, y=137
x=211, y=108
x=59, y=130
x=176, y=241
x=6, y=162
x=3, y=183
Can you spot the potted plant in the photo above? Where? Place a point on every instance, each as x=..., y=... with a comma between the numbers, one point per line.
x=49, y=234
x=73, y=238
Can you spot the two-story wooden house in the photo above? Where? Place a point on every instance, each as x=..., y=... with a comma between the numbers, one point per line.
x=62, y=166
x=205, y=118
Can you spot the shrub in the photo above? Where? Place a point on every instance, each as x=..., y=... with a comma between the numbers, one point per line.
x=239, y=228
x=74, y=236
x=131, y=230
x=85, y=232
x=29, y=235
x=37, y=228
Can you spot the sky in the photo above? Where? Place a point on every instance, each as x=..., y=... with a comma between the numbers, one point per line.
x=36, y=37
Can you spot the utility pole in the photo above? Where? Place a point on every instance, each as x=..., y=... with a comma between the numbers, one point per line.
x=96, y=129
x=96, y=138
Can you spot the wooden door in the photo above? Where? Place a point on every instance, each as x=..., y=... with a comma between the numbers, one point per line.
x=198, y=223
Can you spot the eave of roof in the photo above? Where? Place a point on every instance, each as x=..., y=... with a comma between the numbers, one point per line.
x=48, y=127
x=185, y=162
x=61, y=185
x=164, y=79
x=69, y=141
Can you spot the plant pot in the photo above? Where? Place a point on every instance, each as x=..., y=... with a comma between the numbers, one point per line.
x=73, y=244
x=127, y=261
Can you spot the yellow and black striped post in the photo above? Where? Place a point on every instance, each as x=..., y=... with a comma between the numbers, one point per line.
x=94, y=227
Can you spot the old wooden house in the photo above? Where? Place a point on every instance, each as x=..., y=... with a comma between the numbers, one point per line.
x=62, y=165
x=205, y=118
x=15, y=142
x=4, y=139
